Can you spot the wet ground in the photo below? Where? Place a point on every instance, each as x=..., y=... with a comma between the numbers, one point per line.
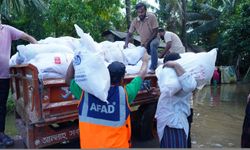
x=218, y=118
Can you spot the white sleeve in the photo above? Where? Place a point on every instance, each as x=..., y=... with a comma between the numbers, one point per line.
x=167, y=37
x=187, y=82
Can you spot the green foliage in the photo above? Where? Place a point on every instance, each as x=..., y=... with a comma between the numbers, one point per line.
x=10, y=104
x=170, y=14
x=236, y=36
x=93, y=17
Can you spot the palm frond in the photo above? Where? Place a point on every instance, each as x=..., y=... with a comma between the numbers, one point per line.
x=206, y=28
x=209, y=10
x=13, y=8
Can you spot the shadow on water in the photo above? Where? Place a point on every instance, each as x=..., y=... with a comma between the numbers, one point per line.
x=218, y=115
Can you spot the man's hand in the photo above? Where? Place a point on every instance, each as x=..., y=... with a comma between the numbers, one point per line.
x=145, y=57
x=143, y=71
x=248, y=98
x=176, y=66
x=144, y=45
x=164, y=53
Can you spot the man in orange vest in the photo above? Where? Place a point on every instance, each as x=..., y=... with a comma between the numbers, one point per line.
x=105, y=125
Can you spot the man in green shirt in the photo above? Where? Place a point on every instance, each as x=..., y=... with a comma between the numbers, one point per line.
x=107, y=125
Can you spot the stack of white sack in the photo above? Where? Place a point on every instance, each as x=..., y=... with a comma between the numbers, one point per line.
x=91, y=73
x=68, y=41
x=52, y=65
x=134, y=54
x=134, y=69
x=29, y=51
x=51, y=56
x=200, y=65
x=112, y=52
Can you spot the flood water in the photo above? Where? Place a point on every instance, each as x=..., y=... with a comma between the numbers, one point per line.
x=218, y=117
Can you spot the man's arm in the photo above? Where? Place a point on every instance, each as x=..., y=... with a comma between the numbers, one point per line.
x=28, y=38
x=70, y=73
x=176, y=66
x=166, y=50
x=74, y=88
x=127, y=39
x=129, y=34
x=144, y=68
x=133, y=87
x=187, y=81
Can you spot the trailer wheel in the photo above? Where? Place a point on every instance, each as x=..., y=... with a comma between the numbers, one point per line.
x=147, y=122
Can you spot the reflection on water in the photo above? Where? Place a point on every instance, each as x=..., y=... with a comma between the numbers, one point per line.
x=218, y=115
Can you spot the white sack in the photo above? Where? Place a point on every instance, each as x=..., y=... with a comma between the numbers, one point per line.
x=132, y=69
x=68, y=41
x=55, y=63
x=112, y=52
x=91, y=74
x=167, y=80
x=200, y=65
x=31, y=50
x=86, y=40
x=12, y=61
x=120, y=45
x=133, y=55
x=50, y=75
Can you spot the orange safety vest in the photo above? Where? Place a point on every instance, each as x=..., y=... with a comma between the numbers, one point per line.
x=105, y=125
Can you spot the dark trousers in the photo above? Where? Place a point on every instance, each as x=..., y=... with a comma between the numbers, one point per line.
x=152, y=51
x=190, y=120
x=4, y=92
x=245, y=137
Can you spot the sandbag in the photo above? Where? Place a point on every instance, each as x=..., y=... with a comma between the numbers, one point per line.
x=133, y=55
x=50, y=75
x=31, y=50
x=132, y=69
x=200, y=65
x=68, y=41
x=112, y=52
x=86, y=40
x=91, y=74
x=120, y=45
x=12, y=61
x=54, y=63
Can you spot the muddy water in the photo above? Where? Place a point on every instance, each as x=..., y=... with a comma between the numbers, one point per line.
x=218, y=115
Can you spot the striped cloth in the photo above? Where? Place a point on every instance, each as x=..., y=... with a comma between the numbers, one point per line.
x=173, y=138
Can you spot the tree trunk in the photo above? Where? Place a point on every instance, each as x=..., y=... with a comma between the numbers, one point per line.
x=128, y=12
x=237, y=67
x=184, y=20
